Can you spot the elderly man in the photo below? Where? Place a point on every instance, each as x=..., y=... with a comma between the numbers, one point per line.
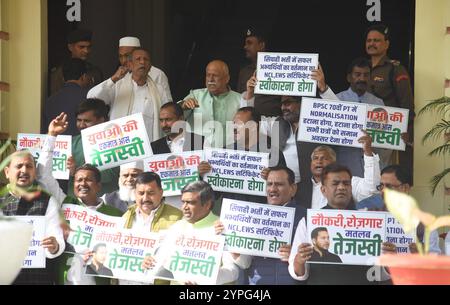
x=216, y=103
x=129, y=93
x=337, y=189
x=128, y=45
x=125, y=195
x=362, y=187
x=79, y=43
x=198, y=201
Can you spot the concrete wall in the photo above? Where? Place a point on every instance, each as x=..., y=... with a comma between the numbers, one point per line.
x=23, y=64
x=432, y=67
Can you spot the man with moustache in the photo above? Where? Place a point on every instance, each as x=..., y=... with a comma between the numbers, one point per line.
x=125, y=195
x=285, y=129
x=281, y=189
x=150, y=213
x=362, y=187
x=130, y=93
x=25, y=195
x=216, y=103
x=336, y=187
x=128, y=45
x=176, y=139
x=198, y=219
x=390, y=81
x=358, y=75
x=86, y=188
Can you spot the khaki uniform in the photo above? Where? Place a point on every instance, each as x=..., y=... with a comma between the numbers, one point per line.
x=57, y=77
x=391, y=82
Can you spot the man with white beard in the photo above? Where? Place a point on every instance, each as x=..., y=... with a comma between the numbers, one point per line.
x=124, y=196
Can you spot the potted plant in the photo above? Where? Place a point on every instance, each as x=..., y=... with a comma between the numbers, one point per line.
x=15, y=239
x=421, y=268
x=442, y=129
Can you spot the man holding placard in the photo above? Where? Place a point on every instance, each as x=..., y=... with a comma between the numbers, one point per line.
x=337, y=189
x=150, y=213
x=362, y=187
x=198, y=220
x=358, y=75
x=281, y=189
x=91, y=112
x=26, y=195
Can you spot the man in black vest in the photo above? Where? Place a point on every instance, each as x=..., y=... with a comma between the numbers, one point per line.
x=176, y=139
x=285, y=129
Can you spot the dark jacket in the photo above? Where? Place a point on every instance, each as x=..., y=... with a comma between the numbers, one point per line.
x=304, y=151
x=192, y=142
x=273, y=271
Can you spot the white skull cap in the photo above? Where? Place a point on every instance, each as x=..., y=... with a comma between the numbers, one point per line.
x=129, y=42
x=137, y=165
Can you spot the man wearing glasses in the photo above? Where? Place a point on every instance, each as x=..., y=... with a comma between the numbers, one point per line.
x=394, y=177
x=398, y=178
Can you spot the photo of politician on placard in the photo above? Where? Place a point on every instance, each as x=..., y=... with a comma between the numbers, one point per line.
x=99, y=258
x=321, y=244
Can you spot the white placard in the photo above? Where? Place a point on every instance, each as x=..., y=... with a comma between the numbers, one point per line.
x=331, y=122
x=116, y=142
x=286, y=74
x=256, y=229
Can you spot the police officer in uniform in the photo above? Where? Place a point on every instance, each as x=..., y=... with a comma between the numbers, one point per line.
x=266, y=105
x=390, y=81
x=79, y=44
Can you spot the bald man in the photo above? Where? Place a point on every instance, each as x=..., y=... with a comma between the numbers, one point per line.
x=217, y=102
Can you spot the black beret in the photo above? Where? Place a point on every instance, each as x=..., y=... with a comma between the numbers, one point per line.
x=256, y=32
x=79, y=35
x=380, y=28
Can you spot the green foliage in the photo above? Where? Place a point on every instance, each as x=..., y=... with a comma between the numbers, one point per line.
x=440, y=130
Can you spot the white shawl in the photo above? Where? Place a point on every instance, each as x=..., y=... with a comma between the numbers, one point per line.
x=123, y=103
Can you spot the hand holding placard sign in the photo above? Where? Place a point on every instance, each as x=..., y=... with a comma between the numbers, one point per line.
x=116, y=142
x=286, y=74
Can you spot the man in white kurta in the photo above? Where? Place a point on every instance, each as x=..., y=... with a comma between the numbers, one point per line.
x=128, y=45
x=135, y=92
